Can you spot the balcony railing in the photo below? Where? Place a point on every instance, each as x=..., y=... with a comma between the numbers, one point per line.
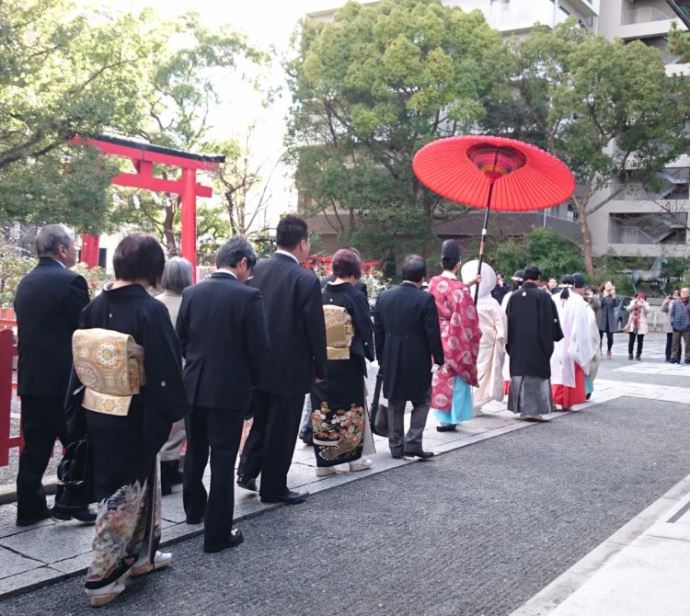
x=645, y=14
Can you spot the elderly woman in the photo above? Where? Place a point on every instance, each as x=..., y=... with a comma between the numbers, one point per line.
x=178, y=274
x=341, y=430
x=126, y=432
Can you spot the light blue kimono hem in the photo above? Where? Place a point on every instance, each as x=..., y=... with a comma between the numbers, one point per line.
x=461, y=408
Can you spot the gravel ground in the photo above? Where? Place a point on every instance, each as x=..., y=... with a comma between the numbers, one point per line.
x=477, y=531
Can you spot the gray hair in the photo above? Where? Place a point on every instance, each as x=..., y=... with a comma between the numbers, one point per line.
x=50, y=237
x=178, y=274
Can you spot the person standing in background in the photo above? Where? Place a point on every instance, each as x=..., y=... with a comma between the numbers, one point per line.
x=606, y=316
x=637, y=326
x=177, y=276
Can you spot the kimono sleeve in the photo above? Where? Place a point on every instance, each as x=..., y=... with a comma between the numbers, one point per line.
x=362, y=323
x=164, y=391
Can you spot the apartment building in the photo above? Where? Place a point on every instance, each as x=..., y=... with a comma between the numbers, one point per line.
x=635, y=222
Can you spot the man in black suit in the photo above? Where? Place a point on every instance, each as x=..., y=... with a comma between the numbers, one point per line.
x=224, y=339
x=407, y=335
x=292, y=296
x=47, y=303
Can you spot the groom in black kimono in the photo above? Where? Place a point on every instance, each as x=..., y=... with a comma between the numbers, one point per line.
x=292, y=296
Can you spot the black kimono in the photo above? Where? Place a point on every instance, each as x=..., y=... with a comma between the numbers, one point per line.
x=533, y=327
x=124, y=448
x=339, y=418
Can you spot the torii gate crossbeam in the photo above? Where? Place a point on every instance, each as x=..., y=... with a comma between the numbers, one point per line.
x=143, y=157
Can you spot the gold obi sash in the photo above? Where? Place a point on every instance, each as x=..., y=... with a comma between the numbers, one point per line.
x=110, y=364
x=339, y=332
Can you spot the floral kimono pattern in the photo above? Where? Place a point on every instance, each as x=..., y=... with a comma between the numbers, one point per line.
x=460, y=335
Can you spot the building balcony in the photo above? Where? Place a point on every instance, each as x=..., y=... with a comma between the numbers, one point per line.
x=523, y=15
x=588, y=8
x=645, y=22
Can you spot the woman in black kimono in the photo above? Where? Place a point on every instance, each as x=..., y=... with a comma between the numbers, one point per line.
x=341, y=430
x=124, y=448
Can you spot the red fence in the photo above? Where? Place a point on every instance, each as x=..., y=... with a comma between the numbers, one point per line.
x=7, y=352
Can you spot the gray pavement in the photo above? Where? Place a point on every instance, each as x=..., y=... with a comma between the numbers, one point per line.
x=475, y=531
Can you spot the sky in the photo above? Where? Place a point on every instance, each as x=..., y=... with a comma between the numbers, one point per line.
x=266, y=23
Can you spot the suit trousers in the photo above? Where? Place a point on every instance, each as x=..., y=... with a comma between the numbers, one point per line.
x=271, y=441
x=42, y=421
x=221, y=431
x=399, y=442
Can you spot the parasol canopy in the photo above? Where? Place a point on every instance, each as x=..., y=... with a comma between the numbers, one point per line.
x=463, y=169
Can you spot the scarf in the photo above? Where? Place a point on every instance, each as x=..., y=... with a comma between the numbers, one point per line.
x=636, y=312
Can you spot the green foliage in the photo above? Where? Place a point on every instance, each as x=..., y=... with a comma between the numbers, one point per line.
x=64, y=71
x=369, y=89
x=14, y=264
x=555, y=255
x=607, y=108
x=95, y=277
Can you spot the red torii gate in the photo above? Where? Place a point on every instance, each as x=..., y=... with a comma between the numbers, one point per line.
x=143, y=157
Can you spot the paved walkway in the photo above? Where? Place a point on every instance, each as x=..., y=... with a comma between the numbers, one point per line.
x=49, y=552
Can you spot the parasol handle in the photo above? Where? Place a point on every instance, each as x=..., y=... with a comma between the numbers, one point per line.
x=483, y=240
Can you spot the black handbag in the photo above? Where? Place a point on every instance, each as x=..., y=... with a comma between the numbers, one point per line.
x=75, y=478
x=378, y=420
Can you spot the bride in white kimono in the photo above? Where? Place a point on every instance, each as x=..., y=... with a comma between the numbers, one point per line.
x=493, y=325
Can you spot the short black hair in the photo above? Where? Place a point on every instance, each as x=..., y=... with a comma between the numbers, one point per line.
x=291, y=230
x=567, y=279
x=532, y=273
x=346, y=263
x=579, y=281
x=414, y=268
x=233, y=251
x=139, y=256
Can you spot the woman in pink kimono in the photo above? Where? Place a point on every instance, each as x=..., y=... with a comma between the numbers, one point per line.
x=451, y=386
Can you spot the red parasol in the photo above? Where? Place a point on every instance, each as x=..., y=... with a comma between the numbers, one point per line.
x=493, y=173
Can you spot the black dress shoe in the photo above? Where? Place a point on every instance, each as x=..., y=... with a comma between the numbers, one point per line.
x=34, y=519
x=446, y=428
x=84, y=515
x=233, y=541
x=248, y=483
x=291, y=497
x=397, y=456
x=423, y=455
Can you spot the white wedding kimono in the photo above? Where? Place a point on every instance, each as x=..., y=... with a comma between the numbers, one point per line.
x=576, y=346
x=493, y=325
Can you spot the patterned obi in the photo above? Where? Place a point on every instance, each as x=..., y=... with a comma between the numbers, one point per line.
x=110, y=364
x=339, y=332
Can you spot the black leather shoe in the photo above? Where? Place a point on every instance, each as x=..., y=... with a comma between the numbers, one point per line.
x=84, y=515
x=34, y=519
x=446, y=428
x=233, y=541
x=423, y=455
x=248, y=483
x=194, y=519
x=291, y=497
x=397, y=456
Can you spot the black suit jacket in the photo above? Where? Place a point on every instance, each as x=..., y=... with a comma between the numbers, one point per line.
x=224, y=339
x=47, y=303
x=407, y=335
x=292, y=296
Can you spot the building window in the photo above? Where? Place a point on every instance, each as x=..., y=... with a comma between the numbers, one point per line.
x=650, y=228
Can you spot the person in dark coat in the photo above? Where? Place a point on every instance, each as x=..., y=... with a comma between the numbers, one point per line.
x=407, y=336
x=124, y=447
x=47, y=303
x=533, y=327
x=297, y=357
x=224, y=340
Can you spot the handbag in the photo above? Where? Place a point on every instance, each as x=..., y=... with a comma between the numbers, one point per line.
x=378, y=420
x=75, y=477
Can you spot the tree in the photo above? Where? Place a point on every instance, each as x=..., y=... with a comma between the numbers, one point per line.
x=607, y=108
x=64, y=71
x=182, y=90
x=369, y=89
